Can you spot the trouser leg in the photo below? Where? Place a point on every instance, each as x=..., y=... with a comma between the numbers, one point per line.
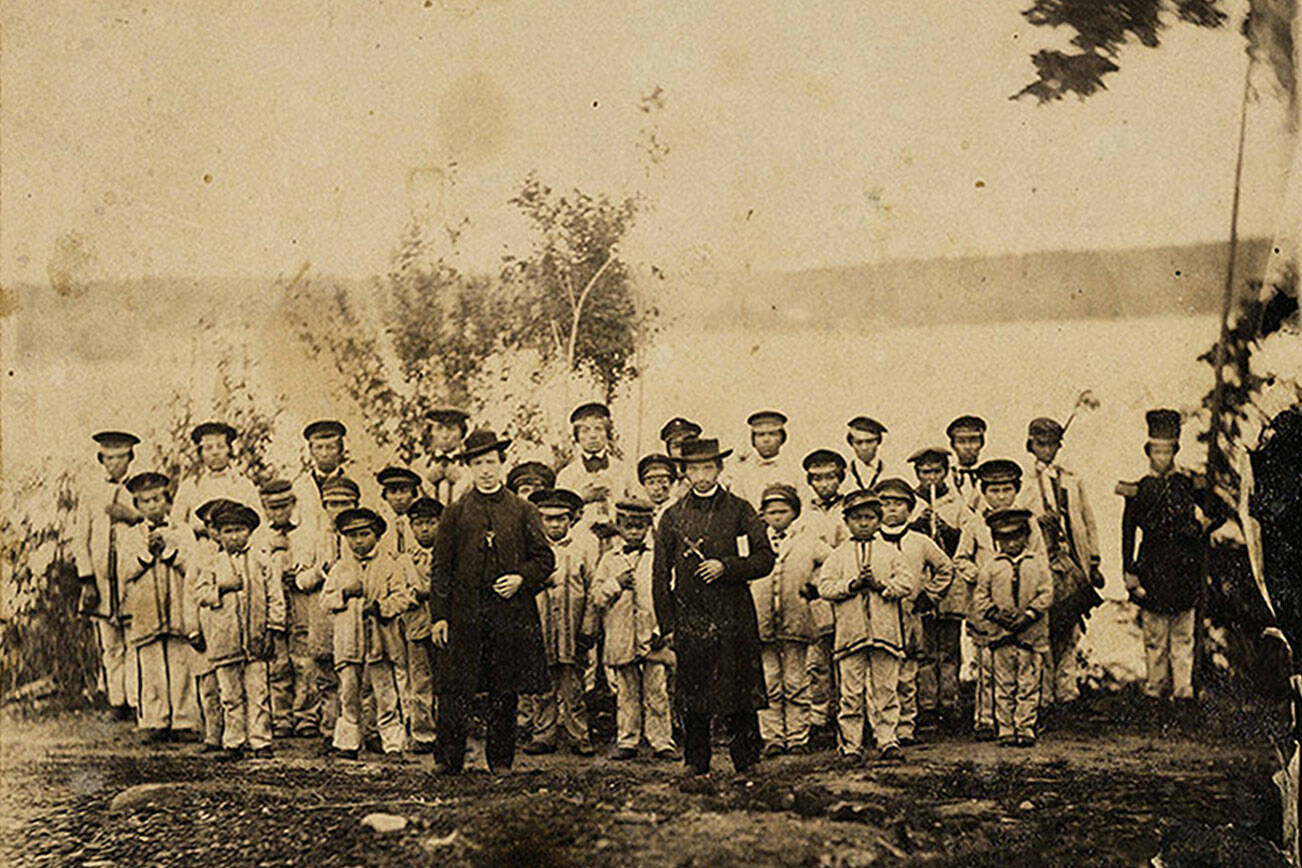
x=210, y=707
x=696, y=741
x=985, y=688
x=1182, y=654
x=450, y=748
x=113, y=657
x=927, y=668
x=852, y=672
x=385, y=687
x=1005, y=659
x=257, y=694
x=772, y=720
x=499, y=747
x=306, y=699
x=1029, y=685
x=1157, y=651
x=327, y=693
x=795, y=692
x=567, y=681
x=884, y=697
x=822, y=692
x=152, y=699
x=908, y=697
x=420, y=683
x=281, y=682
x=230, y=681
x=541, y=714
x=656, y=722
x=743, y=739
x=628, y=705
x=950, y=658
x=348, y=723
x=181, y=663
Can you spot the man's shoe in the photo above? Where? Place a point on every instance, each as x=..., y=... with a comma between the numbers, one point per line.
x=339, y=753
x=373, y=744
x=668, y=753
x=773, y=749
x=623, y=753
x=801, y=749
x=535, y=747
x=1008, y=741
x=157, y=735
x=583, y=748
x=261, y=753
x=445, y=769
x=210, y=748
x=422, y=747
x=907, y=741
x=1026, y=741
x=849, y=759
x=282, y=733
x=891, y=754
x=307, y=732
x=124, y=713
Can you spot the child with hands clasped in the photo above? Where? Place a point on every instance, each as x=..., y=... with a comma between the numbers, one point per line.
x=866, y=578
x=634, y=649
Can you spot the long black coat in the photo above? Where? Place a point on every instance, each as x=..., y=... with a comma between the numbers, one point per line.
x=494, y=645
x=716, y=635
x=1169, y=563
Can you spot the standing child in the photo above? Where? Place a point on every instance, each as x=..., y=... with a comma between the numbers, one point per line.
x=529, y=476
x=246, y=605
x=657, y=475
x=1163, y=576
x=154, y=557
x=634, y=647
x=399, y=488
x=865, y=578
x=967, y=437
x=295, y=707
x=447, y=428
x=864, y=436
x=932, y=573
x=1013, y=592
x=208, y=550
x=365, y=595
x=825, y=472
x=786, y=622
x=562, y=610
x=424, y=515
x=595, y=473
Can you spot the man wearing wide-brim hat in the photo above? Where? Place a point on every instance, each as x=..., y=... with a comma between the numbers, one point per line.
x=709, y=546
x=490, y=558
x=217, y=477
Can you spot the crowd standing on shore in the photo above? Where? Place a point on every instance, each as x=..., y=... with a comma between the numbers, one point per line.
x=783, y=604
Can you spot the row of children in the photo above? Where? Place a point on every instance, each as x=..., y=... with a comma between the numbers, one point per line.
x=300, y=623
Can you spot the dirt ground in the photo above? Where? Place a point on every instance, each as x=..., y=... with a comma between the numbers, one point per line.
x=1112, y=787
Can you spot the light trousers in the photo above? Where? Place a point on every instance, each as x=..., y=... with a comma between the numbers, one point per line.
x=118, y=678
x=1061, y=670
x=246, y=704
x=908, y=691
x=388, y=716
x=822, y=690
x=938, y=668
x=166, y=696
x=418, y=701
x=870, y=691
x=1168, y=653
x=1017, y=677
x=984, y=689
x=786, y=679
x=642, y=705
x=561, y=708
x=210, y=707
x=295, y=703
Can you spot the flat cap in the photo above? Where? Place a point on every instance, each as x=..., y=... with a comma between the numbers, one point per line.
x=635, y=507
x=823, y=457
x=1044, y=428
x=115, y=439
x=895, y=488
x=999, y=470
x=930, y=453
x=534, y=471
x=276, y=492
x=231, y=514
x=147, y=481
x=861, y=499
x=866, y=425
x=781, y=492
x=425, y=507
x=208, y=508
x=358, y=518
x=592, y=409
x=203, y=429
x=324, y=428
x=649, y=462
x=447, y=414
x=679, y=428
x=766, y=420
x=560, y=499
x=1009, y=522
x=966, y=423
x=340, y=486
x=394, y=475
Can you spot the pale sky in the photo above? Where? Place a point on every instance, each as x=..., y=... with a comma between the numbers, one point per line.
x=245, y=138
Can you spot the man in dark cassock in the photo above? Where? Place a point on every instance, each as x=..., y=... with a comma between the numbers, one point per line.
x=709, y=546
x=490, y=558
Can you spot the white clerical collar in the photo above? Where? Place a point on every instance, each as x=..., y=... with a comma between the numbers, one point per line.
x=595, y=455
x=706, y=494
x=494, y=490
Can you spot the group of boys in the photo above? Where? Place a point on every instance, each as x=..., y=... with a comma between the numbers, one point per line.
x=300, y=608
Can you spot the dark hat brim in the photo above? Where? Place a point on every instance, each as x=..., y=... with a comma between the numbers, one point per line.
x=204, y=429
x=115, y=438
x=325, y=428
x=698, y=459
x=498, y=445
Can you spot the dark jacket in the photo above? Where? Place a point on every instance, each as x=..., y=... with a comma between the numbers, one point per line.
x=715, y=631
x=494, y=645
x=1170, y=559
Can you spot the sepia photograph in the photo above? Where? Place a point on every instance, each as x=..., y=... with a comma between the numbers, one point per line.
x=478, y=432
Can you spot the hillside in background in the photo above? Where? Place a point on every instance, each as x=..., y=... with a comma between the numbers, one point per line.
x=1186, y=279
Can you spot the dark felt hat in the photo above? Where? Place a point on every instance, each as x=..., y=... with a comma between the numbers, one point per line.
x=115, y=439
x=1163, y=425
x=930, y=453
x=592, y=409
x=999, y=470
x=480, y=442
x=1009, y=522
x=530, y=470
x=896, y=488
x=824, y=456
x=425, y=507
x=696, y=449
x=324, y=428
x=866, y=425
x=360, y=517
x=679, y=428
x=209, y=507
x=147, y=481
x=397, y=476
x=860, y=499
x=205, y=428
x=232, y=513
x=647, y=462
x=557, y=498
x=966, y=423
x=1044, y=428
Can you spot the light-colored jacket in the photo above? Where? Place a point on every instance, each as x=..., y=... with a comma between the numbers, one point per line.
x=866, y=618
x=241, y=600
x=975, y=548
x=1021, y=584
x=229, y=484
x=352, y=587
x=416, y=622
x=292, y=552
x=1045, y=484
x=563, y=606
x=783, y=614
x=156, y=590
x=628, y=616
x=616, y=477
x=750, y=474
x=91, y=532
x=932, y=572
x=328, y=550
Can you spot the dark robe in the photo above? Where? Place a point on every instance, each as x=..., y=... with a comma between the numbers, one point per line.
x=494, y=645
x=716, y=635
